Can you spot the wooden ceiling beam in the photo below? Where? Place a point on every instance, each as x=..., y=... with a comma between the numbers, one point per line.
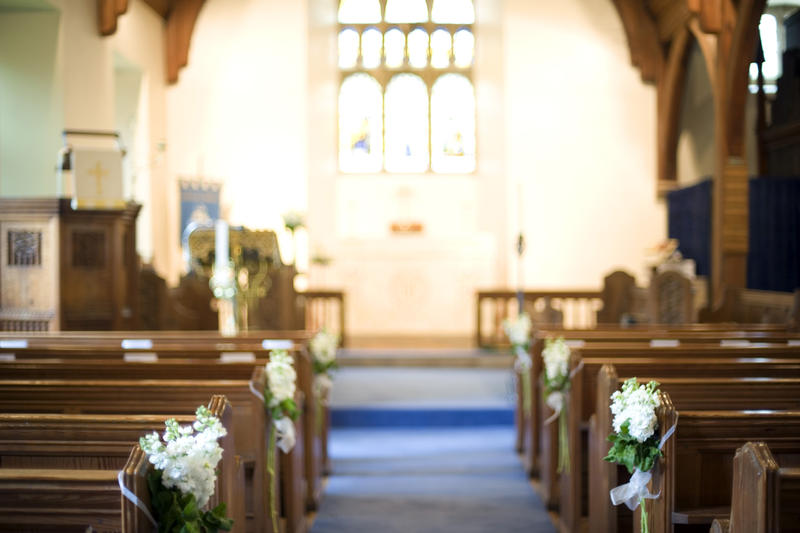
x=180, y=25
x=711, y=16
x=108, y=11
x=672, y=19
x=646, y=51
x=162, y=7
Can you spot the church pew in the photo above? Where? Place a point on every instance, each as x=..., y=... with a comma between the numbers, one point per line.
x=586, y=375
x=527, y=441
x=251, y=351
x=103, y=442
x=168, y=396
x=708, y=393
x=765, y=496
x=697, y=468
x=56, y=500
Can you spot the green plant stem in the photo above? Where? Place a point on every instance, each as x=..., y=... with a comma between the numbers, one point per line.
x=644, y=524
x=563, y=441
x=525, y=378
x=271, y=458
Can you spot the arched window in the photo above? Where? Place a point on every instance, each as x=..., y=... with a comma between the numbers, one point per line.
x=406, y=101
x=772, y=66
x=360, y=124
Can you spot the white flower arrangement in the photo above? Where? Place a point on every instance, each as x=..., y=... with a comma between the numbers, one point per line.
x=555, y=355
x=635, y=442
x=187, y=459
x=518, y=330
x=323, y=348
x=293, y=220
x=281, y=377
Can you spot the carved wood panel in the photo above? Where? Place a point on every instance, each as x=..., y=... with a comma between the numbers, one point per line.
x=88, y=249
x=24, y=248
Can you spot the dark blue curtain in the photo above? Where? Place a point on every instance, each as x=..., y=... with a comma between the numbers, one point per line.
x=689, y=221
x=774, y=259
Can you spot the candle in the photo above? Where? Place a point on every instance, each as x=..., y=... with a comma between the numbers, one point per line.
x=221, y=251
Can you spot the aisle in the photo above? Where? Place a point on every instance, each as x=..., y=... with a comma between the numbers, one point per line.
x=464, y=480
x=426, y=450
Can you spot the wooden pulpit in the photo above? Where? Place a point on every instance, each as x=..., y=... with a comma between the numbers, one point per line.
x=67, y=269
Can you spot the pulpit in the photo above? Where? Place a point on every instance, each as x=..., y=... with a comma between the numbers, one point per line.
x=67, y=269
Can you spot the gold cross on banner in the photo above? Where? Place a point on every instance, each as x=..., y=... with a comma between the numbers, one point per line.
x=99, y=173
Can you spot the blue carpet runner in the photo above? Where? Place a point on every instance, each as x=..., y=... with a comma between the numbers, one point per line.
x=428, y=480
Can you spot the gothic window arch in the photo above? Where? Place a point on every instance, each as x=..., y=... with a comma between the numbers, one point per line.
x=406, y=97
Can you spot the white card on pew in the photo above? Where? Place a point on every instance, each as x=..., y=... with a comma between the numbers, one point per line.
x=793, y=342
x=734, y=342
x=575, y=343
x=237, y=357
x=7, y=357
x=14, y=343
x=277, y=344
x=664, y=343
x=140, y=357
x=137, y=344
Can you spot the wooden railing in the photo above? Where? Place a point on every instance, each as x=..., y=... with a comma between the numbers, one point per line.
x=325, y=308
x=569, y=309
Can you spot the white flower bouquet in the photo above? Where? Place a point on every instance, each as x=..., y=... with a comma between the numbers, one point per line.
x=184, y=475
x=293, y=220
x=280, y=404
x=518, y=332
x=635, y=442
x=323, y=348
x=556, y=356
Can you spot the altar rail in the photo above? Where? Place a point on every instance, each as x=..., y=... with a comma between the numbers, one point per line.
x=570, y=309
x=324, y=308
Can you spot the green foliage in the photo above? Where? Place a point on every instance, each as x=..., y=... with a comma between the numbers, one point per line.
x=631, y=453
x=322, y=368
x=286, y=408
x=179, y=513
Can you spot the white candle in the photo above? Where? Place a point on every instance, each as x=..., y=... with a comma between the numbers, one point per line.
x=221, y=251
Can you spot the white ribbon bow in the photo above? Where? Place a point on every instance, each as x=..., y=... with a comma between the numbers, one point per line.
x=555, y=400
x=130, y=496
x=636, y=489
x=286, y=435
x=523, y=362
x=322, y=386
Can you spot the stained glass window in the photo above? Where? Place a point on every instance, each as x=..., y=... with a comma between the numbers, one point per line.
x=406, y=100
x=371, y=41
x=440, y=48
x=360, y=124
x=453, y=12
x=771, y=67
x=348, y=48
x=406, y=11
x=359, y=11
x=463, y=48
x=452, y=124
x=394, y=44
x=418, y=48
x=406, y=110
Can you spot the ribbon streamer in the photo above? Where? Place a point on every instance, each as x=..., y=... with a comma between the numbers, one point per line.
x=131, y=497
x=523, y=362
x=256, y=392
x=286, y=434
x=635, y=490
x=322, y=386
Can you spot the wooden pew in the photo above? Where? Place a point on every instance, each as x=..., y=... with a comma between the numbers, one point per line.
x=168, y=396
x=55, y=500
x=587, y=361
x=59, y=441
x=704, y=393
x=697, y=467
x=110, y=347
x=765, y=496
x=527, y=440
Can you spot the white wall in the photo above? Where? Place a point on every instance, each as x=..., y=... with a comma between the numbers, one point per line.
x=695, y=159
x=30, y=103
x=238, y=112
x=581, y=140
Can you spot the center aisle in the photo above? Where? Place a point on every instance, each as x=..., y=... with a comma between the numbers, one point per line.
x=448, y=464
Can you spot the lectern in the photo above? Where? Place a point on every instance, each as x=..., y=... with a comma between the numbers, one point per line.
x=67, y=269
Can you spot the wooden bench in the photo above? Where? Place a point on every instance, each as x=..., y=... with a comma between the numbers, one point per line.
x=81, y=442
x=58, y=500
x=705, y=393
x=526, y=438
x=765, y=496
x=168, y=396
x=109, y=348
x=697, y=468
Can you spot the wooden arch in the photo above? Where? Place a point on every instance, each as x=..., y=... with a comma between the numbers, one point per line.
x=179, y=17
